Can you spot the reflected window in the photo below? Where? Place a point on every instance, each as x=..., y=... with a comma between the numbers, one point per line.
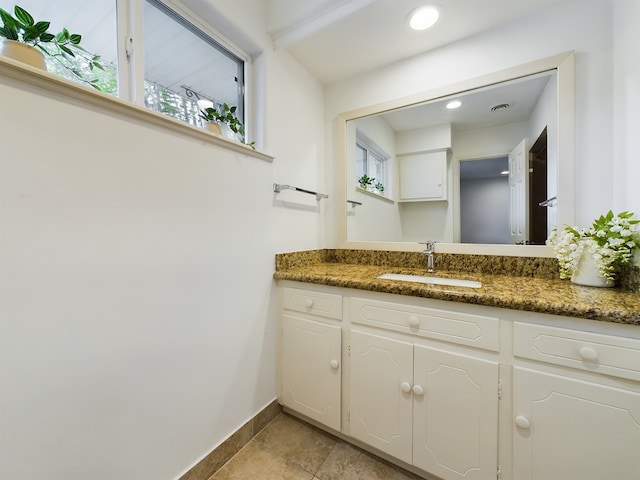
x=371, y=163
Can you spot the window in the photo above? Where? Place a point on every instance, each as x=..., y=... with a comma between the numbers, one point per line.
x=189, y=73
x=371, y=162
x=185, y=69
x=96, y=22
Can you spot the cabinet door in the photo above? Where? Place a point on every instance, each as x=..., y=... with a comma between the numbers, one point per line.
x=381, y=403
x=455, y=415
x=423, y=176
x=311, y=373
x=573, y=430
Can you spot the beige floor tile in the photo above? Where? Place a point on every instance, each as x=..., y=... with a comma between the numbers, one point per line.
x=349, y=463
x=299, y=444
x=254, y=462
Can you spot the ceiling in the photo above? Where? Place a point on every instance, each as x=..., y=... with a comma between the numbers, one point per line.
x=478, y=109
x=339, y=39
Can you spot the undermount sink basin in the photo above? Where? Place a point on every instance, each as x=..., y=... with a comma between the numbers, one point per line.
x=453, y=282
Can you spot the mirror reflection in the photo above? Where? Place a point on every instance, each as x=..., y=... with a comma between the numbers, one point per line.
x=475, y=167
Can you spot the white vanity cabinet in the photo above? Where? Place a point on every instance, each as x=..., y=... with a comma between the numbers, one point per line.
x=420, y=401
x=571, y=426
x=310, y=354
x=463, y=391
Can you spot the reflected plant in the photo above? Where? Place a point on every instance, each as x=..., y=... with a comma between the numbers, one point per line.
x=365, y=181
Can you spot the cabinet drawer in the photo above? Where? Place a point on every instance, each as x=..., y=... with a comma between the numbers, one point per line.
x=461, y=328
x=316, y=303
x=595, y=352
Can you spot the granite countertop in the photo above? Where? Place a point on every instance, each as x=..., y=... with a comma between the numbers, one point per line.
x=535, y=287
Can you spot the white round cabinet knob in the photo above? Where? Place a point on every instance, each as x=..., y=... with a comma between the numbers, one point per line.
x=414, y=322
x=522, y=422
x=418, y=390
x=405, y=387
x=588, y=353
x=334, y=364
x=308, y=303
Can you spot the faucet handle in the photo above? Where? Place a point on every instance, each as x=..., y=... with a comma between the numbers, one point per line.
x=429, y=245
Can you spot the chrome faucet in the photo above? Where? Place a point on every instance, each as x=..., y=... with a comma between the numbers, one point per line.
x=430, y=253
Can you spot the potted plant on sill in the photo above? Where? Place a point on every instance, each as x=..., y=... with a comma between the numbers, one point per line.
x=594, y=256
x=29, y=41
x=365, y=182
x=221, y=115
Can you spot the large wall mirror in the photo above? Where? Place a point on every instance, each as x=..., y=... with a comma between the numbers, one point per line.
x=482, y=166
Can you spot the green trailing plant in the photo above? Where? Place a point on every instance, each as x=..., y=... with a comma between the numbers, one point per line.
x=379, y=187
x=365, y=181
x=63, y=47
x=226, y=115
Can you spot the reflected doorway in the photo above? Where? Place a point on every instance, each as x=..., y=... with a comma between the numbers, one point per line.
x=538, y=191
x=484, y=201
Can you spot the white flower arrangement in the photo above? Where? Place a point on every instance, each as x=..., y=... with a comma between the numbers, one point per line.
x=611, y=240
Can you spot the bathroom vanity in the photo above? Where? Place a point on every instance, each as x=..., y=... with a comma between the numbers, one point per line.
x=459, y=382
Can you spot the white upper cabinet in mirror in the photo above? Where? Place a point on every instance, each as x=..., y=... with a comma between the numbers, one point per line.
x=443, y=177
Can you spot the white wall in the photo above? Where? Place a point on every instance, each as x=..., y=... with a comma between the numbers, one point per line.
x=484, y=210
x=584, y=26
x=137, y=306
x=488, y=142
x=626, y=121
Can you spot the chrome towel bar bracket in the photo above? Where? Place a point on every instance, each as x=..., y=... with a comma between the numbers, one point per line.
x=278, y=188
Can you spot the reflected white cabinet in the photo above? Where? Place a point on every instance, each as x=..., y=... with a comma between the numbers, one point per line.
x=427, y=407
x=310, y=355
x=423, y=177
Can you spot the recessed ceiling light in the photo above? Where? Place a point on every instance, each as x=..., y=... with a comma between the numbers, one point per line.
x=424, y=17
x=454, y=104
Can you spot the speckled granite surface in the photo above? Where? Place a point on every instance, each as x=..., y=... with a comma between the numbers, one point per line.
x=518, y=283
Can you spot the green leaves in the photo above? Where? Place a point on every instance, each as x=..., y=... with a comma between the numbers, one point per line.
x=23, y=16
x=225, y=114
x=365, y=181
x=611, y=239
x=10, y=25
x=23, y=23
x=64, y=47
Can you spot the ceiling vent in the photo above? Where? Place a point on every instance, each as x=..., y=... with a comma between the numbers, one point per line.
x=499, y=107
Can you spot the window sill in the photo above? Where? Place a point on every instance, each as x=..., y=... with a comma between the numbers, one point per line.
x=51, y=83
x=374, y=195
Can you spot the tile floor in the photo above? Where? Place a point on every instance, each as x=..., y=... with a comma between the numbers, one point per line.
x=288, y=449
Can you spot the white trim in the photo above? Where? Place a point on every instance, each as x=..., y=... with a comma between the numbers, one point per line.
x=315, y=21
x=136, y=61
x=55, y=85
x=374, y=195
x=189, y=15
